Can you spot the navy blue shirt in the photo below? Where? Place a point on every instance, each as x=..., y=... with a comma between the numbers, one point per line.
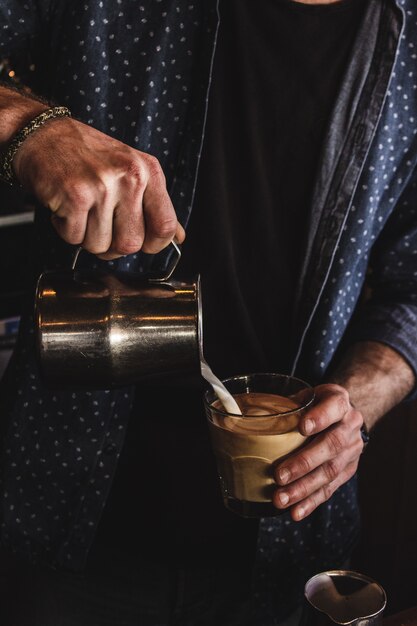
x=363, y=212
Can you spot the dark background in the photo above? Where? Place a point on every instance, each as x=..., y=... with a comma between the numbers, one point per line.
x=16, y=277
x=388, y=495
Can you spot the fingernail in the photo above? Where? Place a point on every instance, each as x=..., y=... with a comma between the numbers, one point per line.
x=300, y=512
x=284, y=498
x=284, y=475
x=308, y=426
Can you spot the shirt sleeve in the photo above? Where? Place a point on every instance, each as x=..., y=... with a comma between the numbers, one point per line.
x=20, y=23
x=389, y=315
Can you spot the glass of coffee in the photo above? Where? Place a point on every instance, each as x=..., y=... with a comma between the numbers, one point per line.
x=247, y=447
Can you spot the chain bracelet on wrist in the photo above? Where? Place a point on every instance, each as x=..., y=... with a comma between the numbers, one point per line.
x=6, y=157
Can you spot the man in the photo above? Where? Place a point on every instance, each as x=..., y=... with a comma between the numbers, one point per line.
x=307, y=167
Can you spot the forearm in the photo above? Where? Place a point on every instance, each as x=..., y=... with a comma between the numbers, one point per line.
x=16, y=110
x=376, y=377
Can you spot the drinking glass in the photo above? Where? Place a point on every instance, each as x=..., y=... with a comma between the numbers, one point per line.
x=247, y=447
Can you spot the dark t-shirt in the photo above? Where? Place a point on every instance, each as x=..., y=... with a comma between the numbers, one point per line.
x=276, y=74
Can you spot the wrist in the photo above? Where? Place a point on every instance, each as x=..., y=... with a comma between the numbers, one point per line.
x=376, y=377
x=12, y=148
x=16, y=110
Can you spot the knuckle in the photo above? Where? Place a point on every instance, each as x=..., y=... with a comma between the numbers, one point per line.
x=327, y=491
x=356, y=418
x=315, y=500
x=154, y=167
x=73, y=237
x=322, y=417
x=68, y=232
x=351, y=470
x=338, y=389
x=359, y=446
x=342, y=401
x=94, y=248
x=304, y=465
x=100, y=188
x=80, y=196
x=69, y=227
x=331, y=469
x=135, y=172
x=301, y=492
x=164, y=227
x=94, y=244
x=126, y=246
x=335, y=441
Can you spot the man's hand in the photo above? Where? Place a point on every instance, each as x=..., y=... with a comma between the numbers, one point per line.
x=105, y=196
x=375, y=378
x=310, y=476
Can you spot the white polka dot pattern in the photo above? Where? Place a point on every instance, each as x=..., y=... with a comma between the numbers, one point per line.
x=380, y=230
x=139, y=70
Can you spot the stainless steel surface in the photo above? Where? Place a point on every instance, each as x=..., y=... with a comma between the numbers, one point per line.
x=344, y=597
x=99, y=330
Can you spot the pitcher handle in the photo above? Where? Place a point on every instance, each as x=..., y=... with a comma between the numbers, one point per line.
x=76, y=255
x=171, y=269
x=162, y=279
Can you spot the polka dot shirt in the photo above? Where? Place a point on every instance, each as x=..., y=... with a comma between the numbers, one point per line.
x=139, y=70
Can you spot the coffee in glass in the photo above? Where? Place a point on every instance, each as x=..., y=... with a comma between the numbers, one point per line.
x=247, y=447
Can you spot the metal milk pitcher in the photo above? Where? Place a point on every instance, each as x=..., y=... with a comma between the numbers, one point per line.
x=343, y=597
x=101, y=329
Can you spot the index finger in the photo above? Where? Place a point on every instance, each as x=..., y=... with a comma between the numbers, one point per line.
x=336, y=442
x=161, y=224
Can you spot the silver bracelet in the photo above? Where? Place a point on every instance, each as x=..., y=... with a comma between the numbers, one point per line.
x=6, y=157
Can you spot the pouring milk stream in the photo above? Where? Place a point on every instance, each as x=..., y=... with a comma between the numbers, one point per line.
x=219, y=389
